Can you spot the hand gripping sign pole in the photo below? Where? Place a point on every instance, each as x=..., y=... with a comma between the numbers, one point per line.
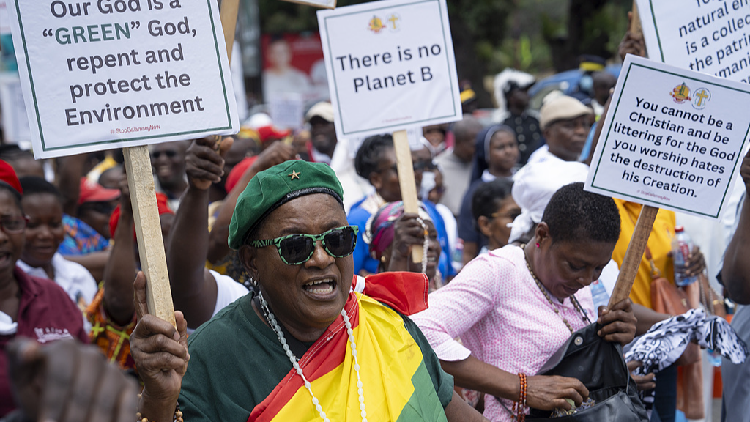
x=145, y=212
x=643, y=227
x=407, y=182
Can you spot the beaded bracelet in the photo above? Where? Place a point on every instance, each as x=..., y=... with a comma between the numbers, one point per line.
x=177, y=416
x=519, y=407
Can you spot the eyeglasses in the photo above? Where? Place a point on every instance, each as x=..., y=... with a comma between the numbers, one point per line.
x=298, y=248
x=169, y=153
x=13, y=225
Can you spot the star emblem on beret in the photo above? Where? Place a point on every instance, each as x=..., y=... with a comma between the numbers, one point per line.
x=294, y=175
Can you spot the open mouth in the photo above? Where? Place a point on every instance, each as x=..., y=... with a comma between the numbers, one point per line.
x=5, y=258
x=320, y=289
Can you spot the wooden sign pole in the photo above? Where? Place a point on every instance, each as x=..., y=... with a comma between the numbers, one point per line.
x=643, y=227
x=148, y=232
x=228, y=15
x=145, y=212
x=406, y=180
x=634, y=255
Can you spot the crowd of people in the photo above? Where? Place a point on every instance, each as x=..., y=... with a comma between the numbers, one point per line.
x=296, y=295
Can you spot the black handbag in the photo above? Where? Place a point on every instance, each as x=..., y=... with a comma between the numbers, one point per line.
x=599, y=365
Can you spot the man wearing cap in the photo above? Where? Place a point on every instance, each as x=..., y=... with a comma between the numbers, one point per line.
x=95, y=205
x=322, y=132
x=565, y=124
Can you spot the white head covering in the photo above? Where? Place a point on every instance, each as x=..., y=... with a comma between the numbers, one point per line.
x=534, y=185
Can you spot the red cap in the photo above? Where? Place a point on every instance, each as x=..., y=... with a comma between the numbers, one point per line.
x=236, y=174
x=8, y=175
x=162, y=205
x=266, y=133
x=94, y=192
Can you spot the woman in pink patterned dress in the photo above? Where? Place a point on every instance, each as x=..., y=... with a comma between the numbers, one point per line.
x=514, y=307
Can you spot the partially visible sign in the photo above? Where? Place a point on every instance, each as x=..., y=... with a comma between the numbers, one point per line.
x=111, y=73
x=287, y=113
x=707, y=36
x=390, y=66
x=672, y=138
x=326, y=4
x=14, y=118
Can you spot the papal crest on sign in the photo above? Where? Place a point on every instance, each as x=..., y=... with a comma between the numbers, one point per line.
x=680, y=93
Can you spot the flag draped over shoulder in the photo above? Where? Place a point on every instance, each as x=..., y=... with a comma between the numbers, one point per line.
x=397, y=385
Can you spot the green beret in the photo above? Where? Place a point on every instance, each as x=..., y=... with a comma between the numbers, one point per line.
x=276, y=186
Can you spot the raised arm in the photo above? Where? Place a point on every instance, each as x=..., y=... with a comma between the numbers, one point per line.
x=193, y=288
x=277, y=153
x=121, y=268
x=735, y=274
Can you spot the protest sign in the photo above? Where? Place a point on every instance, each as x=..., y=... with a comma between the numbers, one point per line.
x=13, y=112
x=390, y=66
x=708, y=36
x=327, y=4
x=117, y=73
x=672, y=138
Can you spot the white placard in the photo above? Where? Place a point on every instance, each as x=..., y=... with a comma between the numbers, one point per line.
x=708, y=36
x=14, y=117
x=121, y=73
x=287, y=111
x=390, y=66
x=672, y=138
x=326, y=4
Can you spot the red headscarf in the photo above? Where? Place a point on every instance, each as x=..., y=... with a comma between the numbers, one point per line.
x=8, y=175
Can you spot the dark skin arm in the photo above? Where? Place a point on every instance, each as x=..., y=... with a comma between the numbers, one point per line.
x=119, y=272
x=735, y=274
x=193, y=287
x=277, y=153
x=69, y=173
x=65, y=381
x=161, y=356
x=460, y=411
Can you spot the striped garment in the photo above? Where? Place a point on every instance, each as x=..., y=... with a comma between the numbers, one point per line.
x=239, y=372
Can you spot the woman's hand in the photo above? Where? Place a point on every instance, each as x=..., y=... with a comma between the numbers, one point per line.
x=643, y=382
x=618, y=323
x=552, y=392
x=65, y=381
x=204, y=164
x=696, y=262
x=161, y=356
x=407, y=232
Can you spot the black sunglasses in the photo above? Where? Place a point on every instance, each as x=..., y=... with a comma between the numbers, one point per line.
x=298, y=248
x=169, y=153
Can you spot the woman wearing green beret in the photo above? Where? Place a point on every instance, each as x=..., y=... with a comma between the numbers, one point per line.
x=302, y=346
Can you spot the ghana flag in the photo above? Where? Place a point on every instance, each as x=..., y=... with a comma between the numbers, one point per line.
x=397, y=385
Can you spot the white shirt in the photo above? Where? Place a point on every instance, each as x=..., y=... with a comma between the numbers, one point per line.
x=74, y=278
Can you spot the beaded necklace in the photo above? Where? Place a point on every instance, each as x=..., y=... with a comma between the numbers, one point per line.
x=576, y=305
x=295, y=363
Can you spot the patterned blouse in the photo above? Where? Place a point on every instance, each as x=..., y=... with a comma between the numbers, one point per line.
x=502, y=318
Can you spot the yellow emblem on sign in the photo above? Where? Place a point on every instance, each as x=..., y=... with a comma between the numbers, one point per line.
x=376, y=25
x=680, y=93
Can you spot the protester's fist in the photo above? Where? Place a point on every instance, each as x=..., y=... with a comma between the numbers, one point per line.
x=632, y=43
x=275, y=154
x=160, y=353
x=553, y=392
x=65, y=381
x=204, y=162
x=745, y=170
x=618, y=323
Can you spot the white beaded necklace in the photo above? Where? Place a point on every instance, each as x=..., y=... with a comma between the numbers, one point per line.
x=295, y=363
